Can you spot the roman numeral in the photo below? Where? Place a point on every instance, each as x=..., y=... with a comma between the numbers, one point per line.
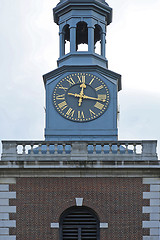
x=64, y=88
x=62, y=105
x=91, y=81
x=99, y=88
x=102, y=96
x=80, y=114
x=81, y=79
x=91, y=112
x=99, y=105
x=70, y=112
x=70, y=81
x=60, y=97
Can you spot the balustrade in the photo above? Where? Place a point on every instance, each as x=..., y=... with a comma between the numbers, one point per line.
x=55, y=148
x=71, y=154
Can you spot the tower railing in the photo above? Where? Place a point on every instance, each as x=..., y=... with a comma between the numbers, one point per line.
x=97, y=152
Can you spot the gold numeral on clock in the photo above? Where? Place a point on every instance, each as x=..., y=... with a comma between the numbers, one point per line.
x=71, y=81
x=81, y=79
x=70, y=112
x=60, y=97
x=62, y=105
x=99, y=105
x=99, y=88
x=80, y=114
x=64, y=88
x=91, y=81
x=91, y=112
x=102, y=96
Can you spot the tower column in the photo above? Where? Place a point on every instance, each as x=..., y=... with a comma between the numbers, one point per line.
x=91, y=39
x=72, y=39
x=103, y=44
x=61, y=44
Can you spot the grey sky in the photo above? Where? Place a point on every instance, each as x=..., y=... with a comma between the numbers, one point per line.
x=29, y=49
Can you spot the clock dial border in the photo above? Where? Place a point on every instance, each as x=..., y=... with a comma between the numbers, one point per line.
x=100, y=101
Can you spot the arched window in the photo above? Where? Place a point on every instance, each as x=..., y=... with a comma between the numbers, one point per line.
x=79, y=223
x=98, y=39
x=82, y=37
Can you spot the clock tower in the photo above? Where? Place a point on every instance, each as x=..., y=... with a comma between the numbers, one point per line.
x=81, y=182
x=81, y=94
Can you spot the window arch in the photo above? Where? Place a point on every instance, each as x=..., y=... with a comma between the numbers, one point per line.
x=79, y=223
x=82, y=36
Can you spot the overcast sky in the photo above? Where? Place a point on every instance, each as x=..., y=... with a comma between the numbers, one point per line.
x=29, y=48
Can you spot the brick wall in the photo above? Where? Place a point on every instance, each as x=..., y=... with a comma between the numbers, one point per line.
x=117, y=201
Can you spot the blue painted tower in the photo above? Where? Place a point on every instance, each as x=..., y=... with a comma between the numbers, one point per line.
x=81, y=94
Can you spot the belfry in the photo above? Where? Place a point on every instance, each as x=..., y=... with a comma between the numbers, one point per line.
x=81, y=182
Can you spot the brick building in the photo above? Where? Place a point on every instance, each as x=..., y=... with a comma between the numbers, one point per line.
x=80, y=182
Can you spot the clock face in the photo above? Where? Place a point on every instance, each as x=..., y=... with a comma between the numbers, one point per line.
x=81, y=97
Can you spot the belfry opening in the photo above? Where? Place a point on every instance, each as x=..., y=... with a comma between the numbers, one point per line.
x=82, y=36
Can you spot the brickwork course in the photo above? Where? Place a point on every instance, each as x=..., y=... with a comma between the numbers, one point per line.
x=117, y=201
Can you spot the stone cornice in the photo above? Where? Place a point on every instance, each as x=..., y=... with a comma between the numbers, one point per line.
x=62, y=70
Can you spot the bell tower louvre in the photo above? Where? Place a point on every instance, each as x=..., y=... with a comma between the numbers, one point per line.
x=81, y=182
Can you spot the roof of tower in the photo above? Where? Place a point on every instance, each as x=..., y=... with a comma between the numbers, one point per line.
x=103, y=1
x=65, y=5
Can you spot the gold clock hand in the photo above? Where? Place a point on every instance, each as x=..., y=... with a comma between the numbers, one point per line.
x=80, y=96
x=92, y=98
x=83, y=85
x=74, y=94
x=80, y=101
x=86, y=97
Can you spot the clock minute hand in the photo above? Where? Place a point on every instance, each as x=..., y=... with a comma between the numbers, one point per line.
x=86, y=97
x=92, y=98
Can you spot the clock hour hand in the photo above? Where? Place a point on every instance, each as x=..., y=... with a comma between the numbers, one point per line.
x=83, y=85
